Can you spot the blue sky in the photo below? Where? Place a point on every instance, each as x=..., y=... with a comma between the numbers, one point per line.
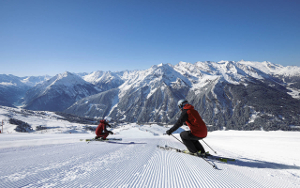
x=49, y=37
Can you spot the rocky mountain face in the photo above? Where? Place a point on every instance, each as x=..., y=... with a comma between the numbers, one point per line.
x=242, y=97
x=228, y=95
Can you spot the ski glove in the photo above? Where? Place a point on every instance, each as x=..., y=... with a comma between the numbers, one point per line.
x=168, y=132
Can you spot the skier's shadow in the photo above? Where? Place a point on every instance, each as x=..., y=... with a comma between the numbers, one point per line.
x=262, y=164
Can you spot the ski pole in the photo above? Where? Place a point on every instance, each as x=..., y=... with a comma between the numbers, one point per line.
x=209, y=147
x=212, y=164
x=178, y=139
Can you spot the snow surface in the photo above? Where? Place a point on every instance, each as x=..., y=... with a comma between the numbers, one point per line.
x=57, y=158
x=295, y=93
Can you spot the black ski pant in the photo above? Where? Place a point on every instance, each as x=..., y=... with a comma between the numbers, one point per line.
x=191, y=142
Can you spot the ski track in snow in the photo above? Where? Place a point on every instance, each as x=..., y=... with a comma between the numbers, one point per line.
x=133, y=162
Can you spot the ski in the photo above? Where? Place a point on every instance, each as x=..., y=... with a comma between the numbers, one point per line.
x=207, y=155
x=108, y=139
x=184, y=151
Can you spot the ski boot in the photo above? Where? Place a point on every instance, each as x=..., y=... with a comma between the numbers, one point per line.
x=202, y=154
x=186, y=151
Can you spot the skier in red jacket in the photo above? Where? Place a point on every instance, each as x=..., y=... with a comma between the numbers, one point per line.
x=198, y=129
x=101, y=131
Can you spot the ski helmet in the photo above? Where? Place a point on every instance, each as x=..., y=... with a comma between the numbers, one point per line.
x=181, y=103
x=107, y=118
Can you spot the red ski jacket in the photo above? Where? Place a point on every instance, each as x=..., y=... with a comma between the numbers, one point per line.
x=101, y=129
x=191, y=117
x=195, y=122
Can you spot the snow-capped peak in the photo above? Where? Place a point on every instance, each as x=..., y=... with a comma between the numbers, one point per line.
x=93, y=77
x=160, y=65
x=67, y=79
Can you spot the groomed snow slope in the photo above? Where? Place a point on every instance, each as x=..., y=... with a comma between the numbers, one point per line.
x=264, y=159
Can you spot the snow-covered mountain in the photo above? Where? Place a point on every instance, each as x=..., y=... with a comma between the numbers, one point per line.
x=104, y=81
x=34, y=80
x=12, y=89
x=149, y=95
x=236, y=95
x=232, y=95
x=58, y=93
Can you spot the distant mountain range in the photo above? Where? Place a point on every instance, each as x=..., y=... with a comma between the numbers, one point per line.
x=239, y=95
x=13, y=88
x=58, y=93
